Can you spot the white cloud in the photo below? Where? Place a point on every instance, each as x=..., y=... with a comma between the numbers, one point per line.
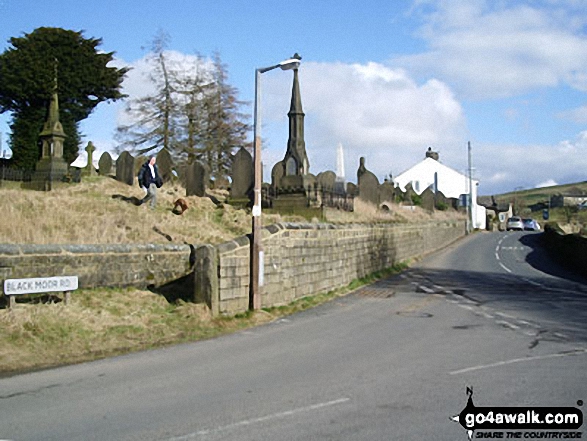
x=505, y=167
x=499, y=49
x=373, y=110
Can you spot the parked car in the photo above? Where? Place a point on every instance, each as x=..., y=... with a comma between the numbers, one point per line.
x=530, y=225
x=514, y=223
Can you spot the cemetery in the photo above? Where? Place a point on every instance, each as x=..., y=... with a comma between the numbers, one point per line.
x=294, y=195
x=320, y=233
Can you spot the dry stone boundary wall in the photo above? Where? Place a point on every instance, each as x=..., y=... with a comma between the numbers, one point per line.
x=98, y=265
x=305, y=259
x=300, y=260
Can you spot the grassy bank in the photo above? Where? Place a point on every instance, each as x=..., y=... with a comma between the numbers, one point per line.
x=105, y=322
x=100, y=211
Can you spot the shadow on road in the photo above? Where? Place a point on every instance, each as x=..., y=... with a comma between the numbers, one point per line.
x=555, y=305
x=540, y=259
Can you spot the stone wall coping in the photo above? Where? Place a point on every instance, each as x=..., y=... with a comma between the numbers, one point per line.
x=16, y=249
x=269, y=230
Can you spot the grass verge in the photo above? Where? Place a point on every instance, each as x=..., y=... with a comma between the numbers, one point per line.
x=100, y=323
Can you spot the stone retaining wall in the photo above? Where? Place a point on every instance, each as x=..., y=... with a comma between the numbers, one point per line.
x=305, y=259
x=98, y=265
x=567, y=249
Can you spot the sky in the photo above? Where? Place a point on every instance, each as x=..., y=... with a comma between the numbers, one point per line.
x=385, y=79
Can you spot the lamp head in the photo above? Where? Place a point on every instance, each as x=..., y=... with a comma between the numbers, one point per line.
x=291, y=63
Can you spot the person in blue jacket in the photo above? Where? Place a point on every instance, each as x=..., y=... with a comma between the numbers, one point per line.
x=150, y=181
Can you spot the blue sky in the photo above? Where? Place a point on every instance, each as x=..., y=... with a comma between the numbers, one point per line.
x=386, y=79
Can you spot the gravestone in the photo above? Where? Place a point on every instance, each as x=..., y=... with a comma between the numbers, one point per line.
x=196, y=177
x=408, y=194
x=277, y=173
x=243, y=178
x=352, y=189
x=165, y=165
x=326, y=180
x=125, y=168
x=387, y=192
x=105, y=164
x=368, y=184
x=428, y=199
x=400, y=196
x=89, y=169
x=442, y=201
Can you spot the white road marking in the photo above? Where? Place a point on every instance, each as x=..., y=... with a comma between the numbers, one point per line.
x=470, y=308
x=519, y=360
x=524, y=322
x=532, y=282
x=507, y=324
x=505, y=267
x=260, y=419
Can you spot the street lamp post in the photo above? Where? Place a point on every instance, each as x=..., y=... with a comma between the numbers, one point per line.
x=257, y=257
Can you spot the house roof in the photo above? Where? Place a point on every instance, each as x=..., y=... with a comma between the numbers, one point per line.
x=451, y=182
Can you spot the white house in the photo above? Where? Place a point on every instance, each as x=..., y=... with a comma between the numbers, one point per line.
x=432, y=173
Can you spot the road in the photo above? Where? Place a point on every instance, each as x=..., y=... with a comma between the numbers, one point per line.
x=391, y=361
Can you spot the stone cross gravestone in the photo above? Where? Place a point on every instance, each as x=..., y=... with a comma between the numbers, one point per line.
x=105, y=164
x=196, y=178
x=125, y=165
x=89, y=169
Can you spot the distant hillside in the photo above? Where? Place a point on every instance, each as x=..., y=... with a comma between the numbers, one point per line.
x=570, y=219
x=536, y=195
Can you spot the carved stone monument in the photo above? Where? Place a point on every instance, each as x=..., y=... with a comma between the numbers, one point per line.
x=51, y=167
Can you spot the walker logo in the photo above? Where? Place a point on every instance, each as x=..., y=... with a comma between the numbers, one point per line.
x=520, y=422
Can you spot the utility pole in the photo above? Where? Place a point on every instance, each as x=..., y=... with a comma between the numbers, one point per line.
x=470, y=196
